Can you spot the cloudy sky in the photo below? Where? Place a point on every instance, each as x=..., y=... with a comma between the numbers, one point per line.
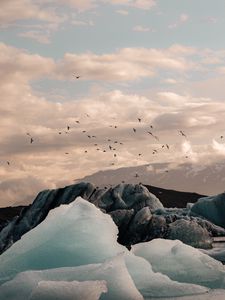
x=161, y=61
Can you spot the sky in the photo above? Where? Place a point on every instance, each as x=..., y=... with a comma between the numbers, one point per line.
x=158, y=61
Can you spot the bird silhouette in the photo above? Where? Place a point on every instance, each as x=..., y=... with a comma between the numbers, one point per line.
x=221, y=136
x=78, y=122
x=31, y=140
x=167, y=146
x=8, y=163
x=68, y=128
x=139, y=119
x=136, y=175
x=182, y=133
x=134, y=130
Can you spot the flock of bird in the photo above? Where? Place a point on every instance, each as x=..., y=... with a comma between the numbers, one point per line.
x=111, y=144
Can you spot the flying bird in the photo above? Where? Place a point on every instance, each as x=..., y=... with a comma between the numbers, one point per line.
x=31, y=140
x=167, y=146
x=78, y=122
x=8, y=163
x=221, y=136
x=139, y=119
x=134, y=130
x=182, y=133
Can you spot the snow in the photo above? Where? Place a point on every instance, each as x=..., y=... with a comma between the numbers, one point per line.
x=75, y=249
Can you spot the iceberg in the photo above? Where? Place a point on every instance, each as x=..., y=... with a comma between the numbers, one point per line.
x=212, y=208
x=77, y=243
x=182, y=263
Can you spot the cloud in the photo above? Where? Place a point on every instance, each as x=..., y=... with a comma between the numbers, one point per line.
x=125, y=64
x=36, y=36
x=123, y=12
x=44, y=162
x=140, y=4
x=183, y=18
x=140, y=28
x=14, y=10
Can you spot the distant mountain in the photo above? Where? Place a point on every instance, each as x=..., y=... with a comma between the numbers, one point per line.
x=206, y=180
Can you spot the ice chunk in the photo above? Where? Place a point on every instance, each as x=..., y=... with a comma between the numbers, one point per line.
x=151, y=284
x=71, y=235
x=114, y=272
x=182, y=263
x=189, y=232
x=125, y=196
x=212, y=208
x=61, y=290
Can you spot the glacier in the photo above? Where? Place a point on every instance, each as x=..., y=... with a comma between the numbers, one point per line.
x=76, y=248
x=211, y=208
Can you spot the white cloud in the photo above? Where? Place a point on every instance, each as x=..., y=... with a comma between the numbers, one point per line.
x=37, y=36
x=13, y=10
x=140, y=28
x=123, y=12
x=24, y=110
x=125, y=64
x=183, y=18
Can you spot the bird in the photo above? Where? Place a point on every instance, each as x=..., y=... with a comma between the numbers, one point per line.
x=89, y=136
x=112, y=164
x=77, y=76
x=84, y=131
x=121, y=143
x=163, y=146
x=115, y=142
x=109, y=140
x=136, y=175
x=182, y=133
x=154, y=136
x=68, y=127
x=8, y=163
x=134, y=130
x=139, y=119
x=166, y=171
x=60, y=132
x=115, y=126
x=85, y=151
x=139, y=154
x=114, y=154
x=151, y=126
x=78, y=122
x=95, y=144
x=167, y=146
x=31, y=140
x=94, y=136
x=104, y=150
x=221, y=136
x=66, y=152
x=28, y=133
x=110, y=147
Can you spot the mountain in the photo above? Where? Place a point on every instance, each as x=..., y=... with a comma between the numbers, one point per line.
x=204, y=180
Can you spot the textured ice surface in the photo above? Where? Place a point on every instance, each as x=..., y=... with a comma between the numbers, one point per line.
x=189, y=232
x=71, y=235
x=74, y=290
x=77, y=242
x=212, y=208
x=114, y=272
x=182, y=262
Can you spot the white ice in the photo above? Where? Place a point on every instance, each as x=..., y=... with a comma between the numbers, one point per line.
x=77, y=242
x=182, y=263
